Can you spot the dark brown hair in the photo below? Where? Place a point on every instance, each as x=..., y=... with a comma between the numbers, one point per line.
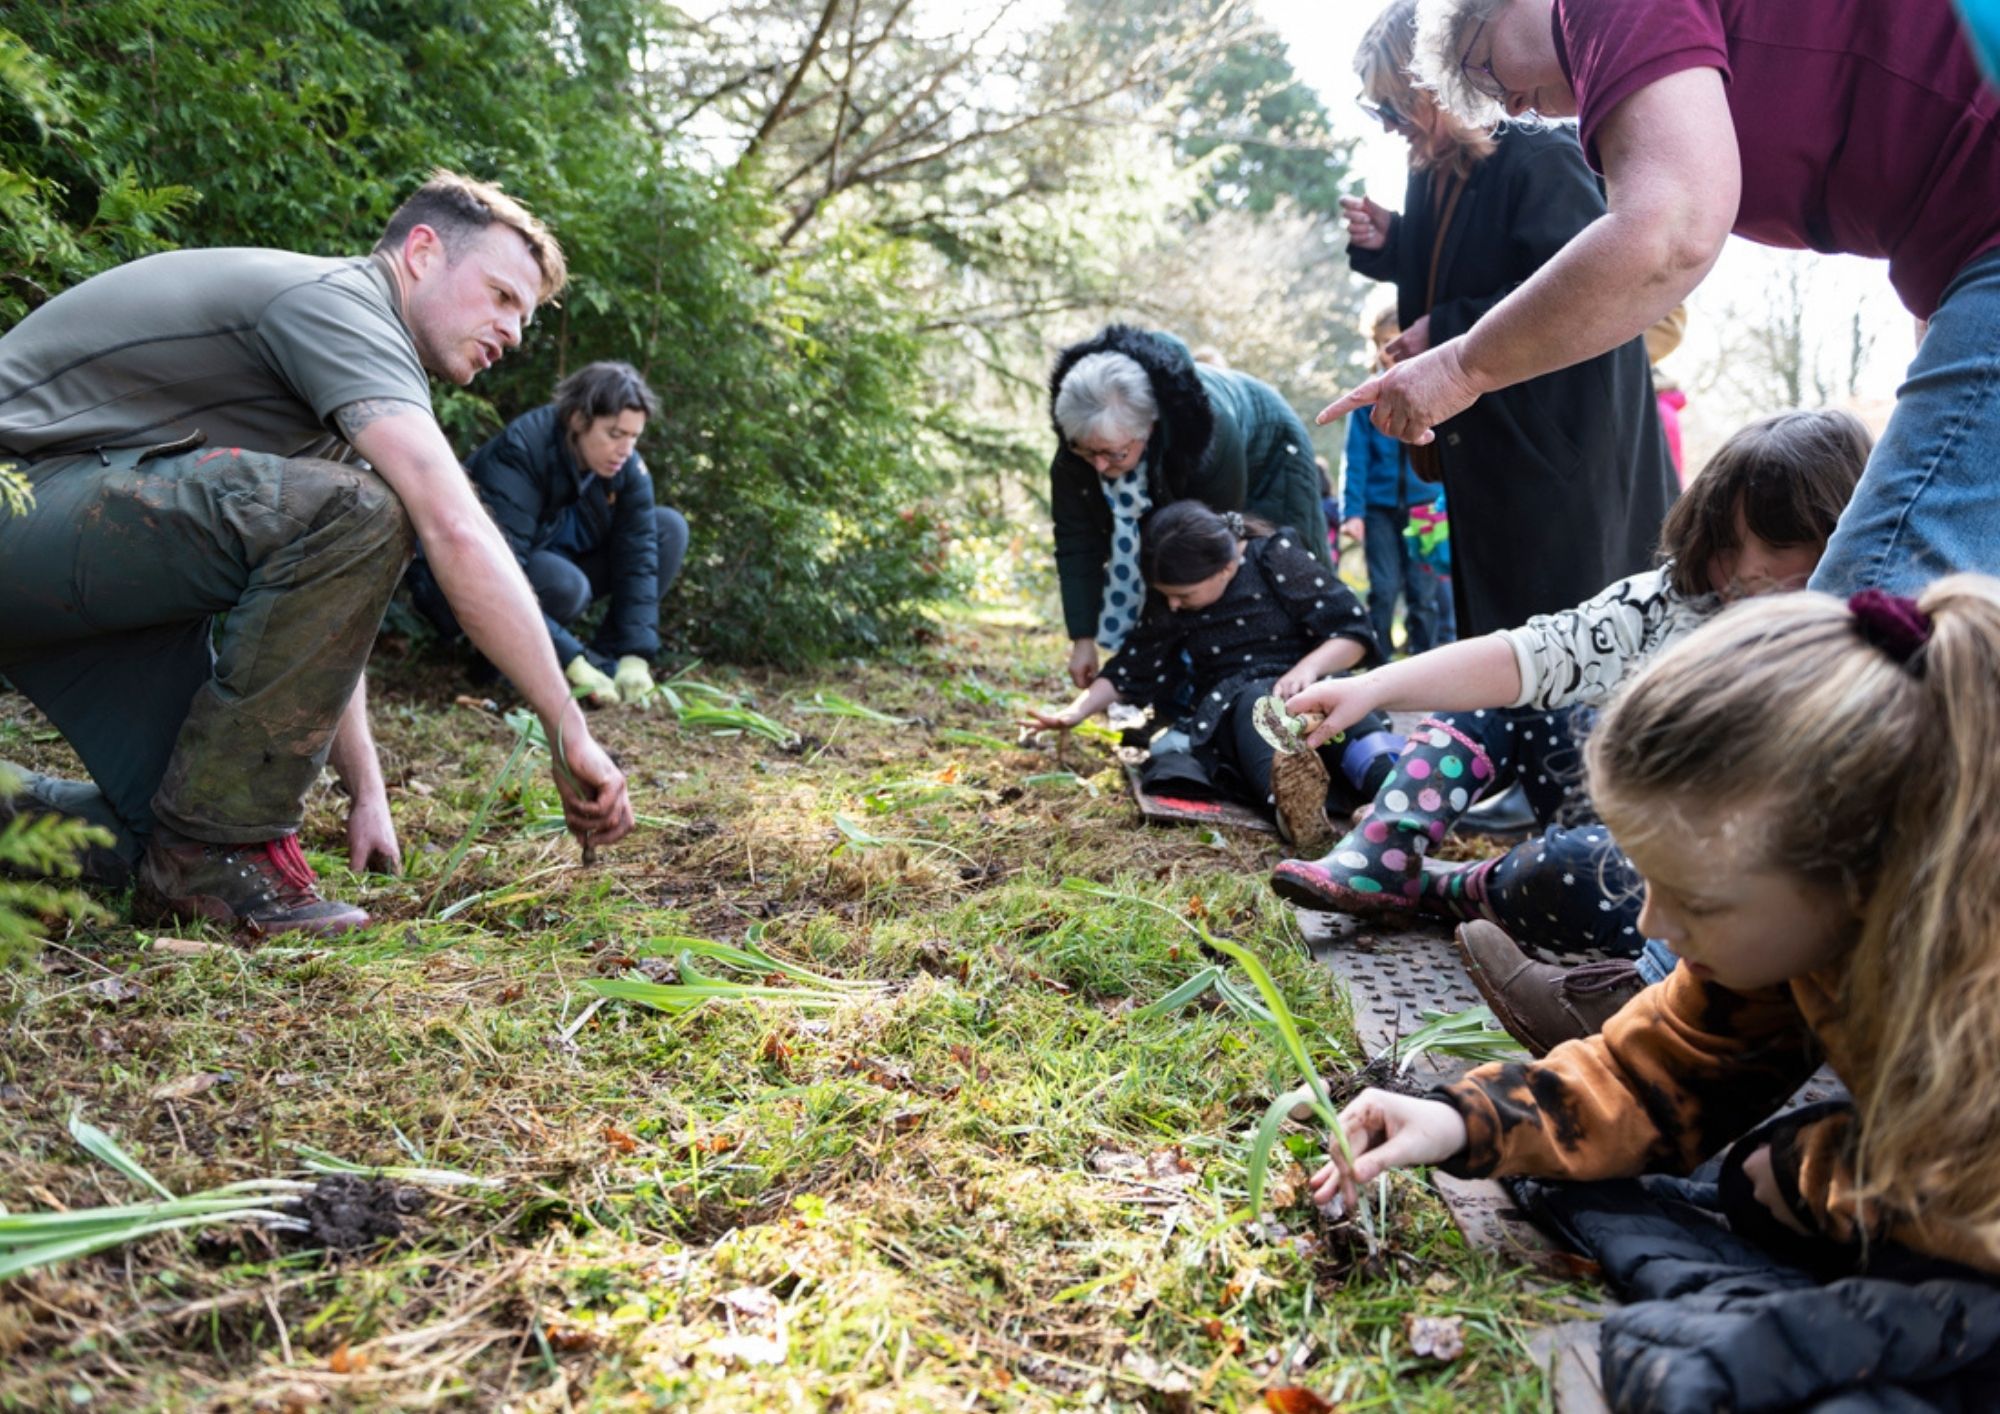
x=458, y=208
x=1186, y=542
x=1791, y=474
x=603, y=390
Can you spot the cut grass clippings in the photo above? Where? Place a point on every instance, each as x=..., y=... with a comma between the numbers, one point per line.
x=934, y=1138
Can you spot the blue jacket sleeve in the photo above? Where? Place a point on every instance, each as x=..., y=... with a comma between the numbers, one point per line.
x=1354, y=475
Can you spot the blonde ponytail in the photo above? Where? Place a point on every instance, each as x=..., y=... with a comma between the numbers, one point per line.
x=1870, y=752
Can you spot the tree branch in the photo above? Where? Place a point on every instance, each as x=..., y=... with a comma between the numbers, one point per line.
x=784, y=102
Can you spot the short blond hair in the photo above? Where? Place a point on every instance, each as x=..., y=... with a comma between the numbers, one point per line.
x=457, y=208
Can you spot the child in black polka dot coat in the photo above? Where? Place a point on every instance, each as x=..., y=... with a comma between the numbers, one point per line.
x=1234, y=611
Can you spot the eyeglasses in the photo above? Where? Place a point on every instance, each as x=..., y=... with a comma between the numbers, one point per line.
x=1385, y=113
x=1109, y=455
x=1480, y=78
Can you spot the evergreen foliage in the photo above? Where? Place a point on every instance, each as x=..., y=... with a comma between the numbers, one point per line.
x=790, y=432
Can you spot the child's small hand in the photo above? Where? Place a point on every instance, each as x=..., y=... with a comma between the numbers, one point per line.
x=1292, y=684
x=1049, y=721
x=1764, y=1185
x=1345, y=701
x=1386, y=1131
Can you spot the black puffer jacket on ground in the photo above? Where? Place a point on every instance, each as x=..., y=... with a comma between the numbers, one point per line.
x=1722, y=1323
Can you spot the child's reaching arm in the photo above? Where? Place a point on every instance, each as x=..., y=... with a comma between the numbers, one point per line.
x=1476, y=672
x=1683, y=1069
x=1092, y=700
x=1336, y=655
x=1556, y=660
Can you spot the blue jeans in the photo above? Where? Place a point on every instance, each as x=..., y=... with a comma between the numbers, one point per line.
x=1656, y=960
x=1392, y=571
x=1929, y=503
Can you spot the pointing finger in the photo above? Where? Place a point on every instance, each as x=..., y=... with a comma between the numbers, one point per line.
x=1363, y=396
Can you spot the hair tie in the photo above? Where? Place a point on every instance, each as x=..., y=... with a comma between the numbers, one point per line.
x=1235, y=523
x=1891, y=623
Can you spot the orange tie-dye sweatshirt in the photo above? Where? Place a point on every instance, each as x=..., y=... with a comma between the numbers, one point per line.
x=1686, y=1067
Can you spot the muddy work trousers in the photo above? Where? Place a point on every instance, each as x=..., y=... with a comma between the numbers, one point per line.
x=194, y=625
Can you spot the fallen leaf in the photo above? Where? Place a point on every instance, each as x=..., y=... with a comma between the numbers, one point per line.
x=182, y=947
x=748, y=1349
x=113, y=989
x=752, y=1301
x=1230, y=1338
x=1115, y=1161
x=1294, y=1399
x=570, y=1338
x=1436, y=1337
x=187, y=1087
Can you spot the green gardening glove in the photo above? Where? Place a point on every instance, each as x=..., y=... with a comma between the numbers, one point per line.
x=594, y=687
x=634, y=680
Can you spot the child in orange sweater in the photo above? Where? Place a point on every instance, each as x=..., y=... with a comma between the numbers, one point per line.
x=1809, y=788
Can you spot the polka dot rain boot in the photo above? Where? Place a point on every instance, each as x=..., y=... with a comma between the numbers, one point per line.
x=1458, y=891
x=1377, y=869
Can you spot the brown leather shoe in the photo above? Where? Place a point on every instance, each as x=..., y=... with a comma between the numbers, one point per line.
x=1543, y=1006
x=261, y=889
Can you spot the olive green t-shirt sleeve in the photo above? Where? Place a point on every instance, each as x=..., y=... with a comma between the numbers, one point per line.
x=336, y=341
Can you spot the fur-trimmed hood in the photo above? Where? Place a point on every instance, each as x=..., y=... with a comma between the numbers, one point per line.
x=1185, y=434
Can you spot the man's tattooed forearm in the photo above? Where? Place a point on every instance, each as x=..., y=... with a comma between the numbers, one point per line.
x=352, y=417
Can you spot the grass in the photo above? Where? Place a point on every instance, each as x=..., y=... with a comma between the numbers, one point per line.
x=927, y=1145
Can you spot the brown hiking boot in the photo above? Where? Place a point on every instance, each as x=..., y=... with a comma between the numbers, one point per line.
x=260, y=889
x=1543, y=1006
x=98, y=865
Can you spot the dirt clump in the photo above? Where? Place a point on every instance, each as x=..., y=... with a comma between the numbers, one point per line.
x=348, y=1212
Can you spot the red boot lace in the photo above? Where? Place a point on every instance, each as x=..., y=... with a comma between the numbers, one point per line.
x=290, y=863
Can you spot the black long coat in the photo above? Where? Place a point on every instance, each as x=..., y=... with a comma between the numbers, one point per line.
x=1556, y=486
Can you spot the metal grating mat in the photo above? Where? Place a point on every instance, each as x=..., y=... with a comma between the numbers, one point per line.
x=1393, y=977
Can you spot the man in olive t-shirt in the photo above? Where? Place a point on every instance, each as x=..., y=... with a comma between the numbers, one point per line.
x=189, y=424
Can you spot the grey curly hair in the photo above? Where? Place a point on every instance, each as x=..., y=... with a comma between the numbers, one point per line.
x=1444, y=29
x=1106, y=395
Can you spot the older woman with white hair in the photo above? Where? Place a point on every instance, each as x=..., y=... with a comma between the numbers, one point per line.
x=1861, y=128
x=1140, y=425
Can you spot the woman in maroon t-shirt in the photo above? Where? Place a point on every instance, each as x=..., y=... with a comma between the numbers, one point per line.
x=1858, y=127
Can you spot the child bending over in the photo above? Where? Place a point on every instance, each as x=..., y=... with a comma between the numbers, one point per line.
x=1808, y=788
x=1237, y=610
x=1755, y=520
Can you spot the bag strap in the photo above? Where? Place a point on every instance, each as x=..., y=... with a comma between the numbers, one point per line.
x=1444, y=200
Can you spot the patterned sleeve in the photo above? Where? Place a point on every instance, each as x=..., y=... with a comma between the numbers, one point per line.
x=1147, y=670
x=1578, y=656
x=1686, y=1067
x=1315, y=597
x=1814, y=1163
